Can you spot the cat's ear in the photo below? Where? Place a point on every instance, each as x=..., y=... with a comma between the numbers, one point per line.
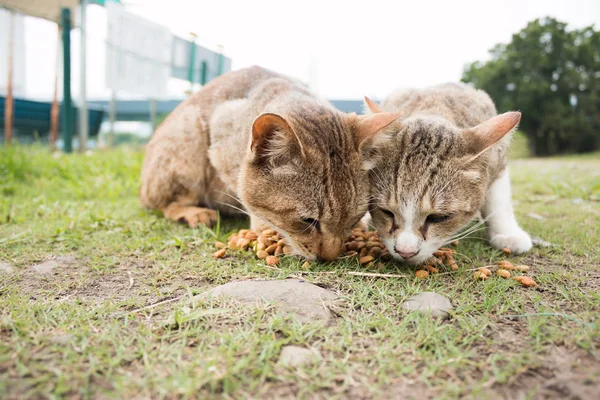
x=370, y=135
x=367, y=126
x=483, y=136
x=371, y=106
x=274, y=140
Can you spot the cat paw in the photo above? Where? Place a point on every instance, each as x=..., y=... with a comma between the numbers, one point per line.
x=194, y=216
x=517, y=241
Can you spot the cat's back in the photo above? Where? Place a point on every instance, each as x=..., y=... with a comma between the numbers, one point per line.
x=461, y=104
x=231, y=86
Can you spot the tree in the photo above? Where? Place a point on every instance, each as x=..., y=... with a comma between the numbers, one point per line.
x=552, y=75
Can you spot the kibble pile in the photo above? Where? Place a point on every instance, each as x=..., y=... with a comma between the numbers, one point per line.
x=268, y=245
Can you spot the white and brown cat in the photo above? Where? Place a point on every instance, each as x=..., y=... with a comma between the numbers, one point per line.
x=257, y=142
x=445, y=161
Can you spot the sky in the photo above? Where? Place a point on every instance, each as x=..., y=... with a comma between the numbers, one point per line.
x=343, y=49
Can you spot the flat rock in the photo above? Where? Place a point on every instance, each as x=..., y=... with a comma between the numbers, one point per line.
x=44, y=268
x=429, y=303
x=49, y=265
x=6, y=267
x=65, y=259
x=307, y=302
x=296, y=356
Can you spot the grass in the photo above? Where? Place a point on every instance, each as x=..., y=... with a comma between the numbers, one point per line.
x=72, y=333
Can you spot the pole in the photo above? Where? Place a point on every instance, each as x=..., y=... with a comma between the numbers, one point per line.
x=112, y=115
x=54, y=110
x=152, y=113
x=221, y=61
x=83, y=107
x=67, y=105
x=9, y=103
x=191, y=74
x=203, y=73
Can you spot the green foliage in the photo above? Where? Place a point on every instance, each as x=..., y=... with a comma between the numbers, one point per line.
x=552, y=75
x=31, y=169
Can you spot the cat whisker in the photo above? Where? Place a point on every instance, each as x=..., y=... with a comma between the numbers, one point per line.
x=234, y=207
x=463, y=235
x=228, y=194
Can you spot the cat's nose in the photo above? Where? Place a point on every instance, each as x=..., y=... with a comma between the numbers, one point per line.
x=330, y=249
x=406, y=252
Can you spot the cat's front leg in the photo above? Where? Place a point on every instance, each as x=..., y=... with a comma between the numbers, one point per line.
x=503, y=229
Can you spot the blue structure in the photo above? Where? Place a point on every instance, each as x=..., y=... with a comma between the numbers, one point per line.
x=32, y=119
x=139, y=110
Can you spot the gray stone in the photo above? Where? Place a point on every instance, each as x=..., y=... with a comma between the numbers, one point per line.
x=6, y=267
x=429, y=303
x=44, y=268
x=49, y=265
x=296, y=356
x=541, y=243
x=307, y=302
x=66, y=259
x=535, y=216
x=62, y=339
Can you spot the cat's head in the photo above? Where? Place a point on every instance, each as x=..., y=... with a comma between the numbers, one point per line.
x=305, y=175
x=431, y=180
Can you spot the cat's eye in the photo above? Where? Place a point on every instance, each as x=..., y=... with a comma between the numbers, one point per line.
x=387, y=213
x=311, y=222
x=437, y=218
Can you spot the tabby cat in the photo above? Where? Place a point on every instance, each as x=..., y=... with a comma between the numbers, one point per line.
x=443, y=164
x=253, y=141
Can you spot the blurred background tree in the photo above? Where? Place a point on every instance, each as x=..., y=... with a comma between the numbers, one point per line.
x=552, y=75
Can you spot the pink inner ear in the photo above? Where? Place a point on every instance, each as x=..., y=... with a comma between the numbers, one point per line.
x=372, y=106
x=265, y=127
x=368, y=125
x=488, y=133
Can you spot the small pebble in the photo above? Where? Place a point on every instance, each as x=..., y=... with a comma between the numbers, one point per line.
x=429, y=303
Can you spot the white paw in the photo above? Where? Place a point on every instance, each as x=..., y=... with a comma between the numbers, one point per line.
x=518, y=241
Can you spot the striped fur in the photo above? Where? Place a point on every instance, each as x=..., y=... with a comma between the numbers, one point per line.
x=253, y=141
x=436, y=163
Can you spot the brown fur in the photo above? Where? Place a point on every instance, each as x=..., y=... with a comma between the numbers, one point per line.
x=256, y=141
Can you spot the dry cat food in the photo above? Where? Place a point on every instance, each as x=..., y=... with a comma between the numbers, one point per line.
x=421, y=274
x=480, y=275
x=366, y=246
x=504, y=269
x=503, y=273
x=525, y=281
